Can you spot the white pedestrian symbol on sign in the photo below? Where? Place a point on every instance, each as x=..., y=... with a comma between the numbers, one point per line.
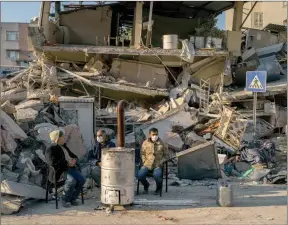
x=256, y=84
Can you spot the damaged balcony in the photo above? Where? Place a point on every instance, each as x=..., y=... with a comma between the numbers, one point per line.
x=129, y=35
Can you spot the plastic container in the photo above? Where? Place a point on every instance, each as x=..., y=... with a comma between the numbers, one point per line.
x=224, y=195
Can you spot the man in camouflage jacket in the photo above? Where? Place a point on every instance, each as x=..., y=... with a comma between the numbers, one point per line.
x=153, y=153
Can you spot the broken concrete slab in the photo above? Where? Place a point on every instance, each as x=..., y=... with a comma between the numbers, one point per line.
x=173, y=140
x=199, y=162
x=14, y=97
x=166, y=122
x=33, y=104
x=23, y=190
x=9, y=175
x=26, y=115
x=8, y=107
x=6, y=161
x=74, y=140
x=192, y=139
x=139, y=72
x=8, y=143
x=10, y=204
x=212, y=72
x=145, y=117
x=164, y=108
x=13, y=128
x=95, y=65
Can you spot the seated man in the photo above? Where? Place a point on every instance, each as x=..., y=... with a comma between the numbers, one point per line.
x=101, y=142
x=62, y=159
x=153, y=154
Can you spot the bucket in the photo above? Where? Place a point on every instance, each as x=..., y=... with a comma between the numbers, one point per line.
x=170, y=41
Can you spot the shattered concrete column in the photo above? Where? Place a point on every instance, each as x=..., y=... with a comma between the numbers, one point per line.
x=149, y=30
x=57, y=12
x=43, y=22
x=137, y=25
x=237, y=16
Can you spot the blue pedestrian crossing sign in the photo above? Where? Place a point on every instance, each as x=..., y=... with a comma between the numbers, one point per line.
x=256, y=81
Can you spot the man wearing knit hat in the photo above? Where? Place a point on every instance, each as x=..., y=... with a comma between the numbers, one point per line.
x=62, y=159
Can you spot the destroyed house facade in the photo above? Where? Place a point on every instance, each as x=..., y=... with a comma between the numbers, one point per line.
x=113, y=38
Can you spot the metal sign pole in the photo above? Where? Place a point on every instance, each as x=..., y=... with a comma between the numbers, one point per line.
x=255, y=82
x=254, y=113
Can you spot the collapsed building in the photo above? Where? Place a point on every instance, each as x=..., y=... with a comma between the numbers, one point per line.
x=187, y=81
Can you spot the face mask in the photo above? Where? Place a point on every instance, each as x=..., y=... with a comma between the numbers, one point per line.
x=100, y=139
x=154, y=138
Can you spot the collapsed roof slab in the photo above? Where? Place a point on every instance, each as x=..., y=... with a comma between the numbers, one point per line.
x=130, y=93
x=88, y=49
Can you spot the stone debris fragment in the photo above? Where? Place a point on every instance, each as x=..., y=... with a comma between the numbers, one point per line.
x=10, y=204
x=8, y=107
x=33, y=104
x=26, y=115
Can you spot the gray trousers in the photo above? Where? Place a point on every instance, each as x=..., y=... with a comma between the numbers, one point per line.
x=96, y=174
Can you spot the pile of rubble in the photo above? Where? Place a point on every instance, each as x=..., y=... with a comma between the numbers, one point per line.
x=197, y=126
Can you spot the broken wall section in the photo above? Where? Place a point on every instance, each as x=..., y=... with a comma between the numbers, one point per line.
x=165, y=25
x=87, y=27
x=147, y=74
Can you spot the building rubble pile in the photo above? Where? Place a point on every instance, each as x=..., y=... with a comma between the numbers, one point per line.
x=187, y=120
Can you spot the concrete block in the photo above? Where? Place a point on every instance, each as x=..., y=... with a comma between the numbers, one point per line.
x=164, y=108
x=8, y=175
x=10, y=204
x=23, y=190
x=166, y=122
x=144, y=117
x=26, y=115
x=33, y=104
x=8, y=107
x=8, y=142
x=13, y=128
x=173, y=140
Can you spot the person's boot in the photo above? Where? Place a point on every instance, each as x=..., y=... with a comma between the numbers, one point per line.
x=75, y=202
x=146, y=188
x=157, y=192
x=66, y=204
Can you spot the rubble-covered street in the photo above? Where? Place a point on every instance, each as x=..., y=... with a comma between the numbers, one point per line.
x=194, y=93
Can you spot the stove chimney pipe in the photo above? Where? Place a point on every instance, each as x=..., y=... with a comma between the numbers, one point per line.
x=120, y=124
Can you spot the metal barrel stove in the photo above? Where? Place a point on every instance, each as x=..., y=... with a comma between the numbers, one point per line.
x=118, y=168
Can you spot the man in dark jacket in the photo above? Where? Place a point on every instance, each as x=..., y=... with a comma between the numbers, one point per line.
x=101, y=142
x=63, y=160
